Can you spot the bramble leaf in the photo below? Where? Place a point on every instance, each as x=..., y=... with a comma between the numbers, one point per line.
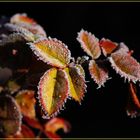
x=125, y=65
x=89, y=43
x=52, y=51
x=53, y=91
x=54, y=125
x=10, y=116
x=107, y=46
x=76, y=80
x=98, y=73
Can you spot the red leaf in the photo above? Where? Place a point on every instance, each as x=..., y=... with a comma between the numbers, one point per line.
x=133, y=105
x=108, y=46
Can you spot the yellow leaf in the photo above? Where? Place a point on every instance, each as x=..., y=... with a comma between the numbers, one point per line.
x=53, y=91
x=76, y=82
x=51, y=51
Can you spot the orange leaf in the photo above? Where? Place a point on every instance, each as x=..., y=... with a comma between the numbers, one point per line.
x=54, y=125
x=22, y=18
x=89, y=43
x=53, y=91
x=26, y=101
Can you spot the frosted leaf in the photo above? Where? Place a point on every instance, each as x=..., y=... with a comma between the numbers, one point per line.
x=29, y=36
x=51, y=51
x=76, y=81
x=98, y=73
x=125, y=65
x=28, y=23
x=89, y=43
x=53, y=91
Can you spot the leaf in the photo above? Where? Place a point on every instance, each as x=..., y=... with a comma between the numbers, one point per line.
x=122, y=48
x=33, y=122
x=51, y=51
x=89, y=43
x=107, y=46
x=54, y=125
x=133, y=104
x=25, y=33
x=25, y=132
x=31, y=25
x=22, y=18
x=98, y=73
x=76, y=81
x=26, y=101
x=10, y=116
x=5, y=74
x=12, y=38
x=125, y=65
x=53, y=91
x=13, y=86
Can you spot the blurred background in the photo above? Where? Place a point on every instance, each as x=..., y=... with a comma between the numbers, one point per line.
x=102, y=112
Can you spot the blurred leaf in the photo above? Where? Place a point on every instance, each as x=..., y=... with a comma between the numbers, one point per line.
x=98, y=73
x=33, y=122
x=89, y=43
x=108, y=46
x=5, y=75
x=25, y=132
x=13, y=86
x=76, y=80
x=133, y=104
x=10, y=116
x=53, y=91
x=54, y=125
x=12, y=38
x=22, y=18
x=26, y=101
x=25, y=33
x=125, y=65
x=51, y=51
x=24, y=21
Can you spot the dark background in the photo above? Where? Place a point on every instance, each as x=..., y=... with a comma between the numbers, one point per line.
x=102, y=113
